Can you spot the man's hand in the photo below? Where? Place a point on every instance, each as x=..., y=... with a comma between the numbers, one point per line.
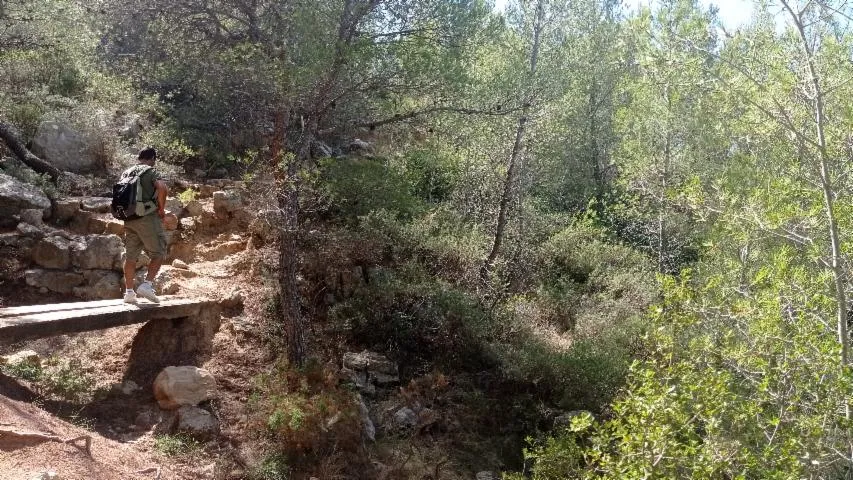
x=161, y=213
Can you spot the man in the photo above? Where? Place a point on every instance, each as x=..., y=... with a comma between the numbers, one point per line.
x=146, y=232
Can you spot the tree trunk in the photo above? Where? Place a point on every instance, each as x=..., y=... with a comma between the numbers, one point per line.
x=514, y=158
x=10, y=137
x=829, y=194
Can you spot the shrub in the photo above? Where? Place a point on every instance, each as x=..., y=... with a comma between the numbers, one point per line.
x=176, y=445
x=24, y=370
x=187, y=196
x=304, y=411
x=358, y=186
x=273, y=467
x=67, y=380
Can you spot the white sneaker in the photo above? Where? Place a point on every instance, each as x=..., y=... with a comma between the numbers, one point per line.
x=130, y=297
x=146, y=291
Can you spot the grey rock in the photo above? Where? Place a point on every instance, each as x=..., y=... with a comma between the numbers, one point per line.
x=96, y=204
x=383, y=379
x=177, y=263
x=183, y=386
x=65, y=148
x=485, y=475
x=370, y=361
x=100, y=285
x=16, y=196
x=227, y=201
x=33, y=216
x=405, y=418
x=194, y=208
x=52, y=252
x=53, y=280
x=232, y=300
x=368, y=428
x=65, y=209
x=98, y=252
x=131, y=127
x=197, y=422
x=30, y=231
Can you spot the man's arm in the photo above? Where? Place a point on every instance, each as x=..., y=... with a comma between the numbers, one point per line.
x=160, y=192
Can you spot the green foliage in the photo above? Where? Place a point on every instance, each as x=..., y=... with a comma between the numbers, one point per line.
x=304, y=411
x=67, y=380
x=187, y=196
x=358, y=186
x=176, y=445
x=273, y=467
x=24, y=370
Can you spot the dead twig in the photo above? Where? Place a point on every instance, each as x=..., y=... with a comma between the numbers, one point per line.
x=46, y=437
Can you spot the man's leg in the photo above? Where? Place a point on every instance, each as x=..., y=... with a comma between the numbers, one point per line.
x=153, y=268
x=129, y=271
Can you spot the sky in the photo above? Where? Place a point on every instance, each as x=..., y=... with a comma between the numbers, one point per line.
x=733, y=13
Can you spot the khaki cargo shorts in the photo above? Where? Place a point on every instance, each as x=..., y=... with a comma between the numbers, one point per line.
x=144, y=233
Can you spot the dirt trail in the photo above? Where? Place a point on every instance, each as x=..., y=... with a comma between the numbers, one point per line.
x=120, y=448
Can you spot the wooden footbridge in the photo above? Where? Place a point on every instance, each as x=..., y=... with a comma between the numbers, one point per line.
x=37, y=321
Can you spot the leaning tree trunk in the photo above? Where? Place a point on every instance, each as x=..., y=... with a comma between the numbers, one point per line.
x=10, y=137
x=515, y=155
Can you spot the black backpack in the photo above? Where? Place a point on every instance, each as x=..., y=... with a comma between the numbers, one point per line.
x=126, y=202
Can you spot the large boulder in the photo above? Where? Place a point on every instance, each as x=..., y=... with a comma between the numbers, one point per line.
x=16, y=196
x=178, y=386
x=98, y=252
x=52, y=252
x=65, y=148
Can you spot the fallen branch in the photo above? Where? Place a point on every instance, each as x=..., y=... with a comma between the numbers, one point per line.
x=154, y=470
x=45, y=437
x=10, y=137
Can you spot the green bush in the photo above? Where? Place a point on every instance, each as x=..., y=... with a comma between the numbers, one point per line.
x=24, y=370
x=273, y=467
x=304, y=411
x=176, y=445
x=359, y=186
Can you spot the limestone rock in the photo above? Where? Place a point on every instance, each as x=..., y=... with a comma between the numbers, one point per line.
x=100, y=285
x=232, y=300
x=48, y=475
x=65, y=209
x=52, y=252
x=28, y=357
x=265, y=225
x=405, y=418
x=178, y=386
x=187, y=223
x=368, y=428
x=33, y=216
x=194, y=208
x=105, y=226
x=96, y=204
x=101, y=252
x=222, y=250
x=53, y=280
x=64, y=147
x=227, y=201
x=177, y=263
x=16, y=196
x=370, y=361
x=197, y=422
x=29, y=231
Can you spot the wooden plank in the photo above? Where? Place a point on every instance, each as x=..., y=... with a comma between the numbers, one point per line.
x=56, y=307
x=46, y=324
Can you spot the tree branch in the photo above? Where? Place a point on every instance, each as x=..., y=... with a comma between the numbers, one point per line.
x=10, y=137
